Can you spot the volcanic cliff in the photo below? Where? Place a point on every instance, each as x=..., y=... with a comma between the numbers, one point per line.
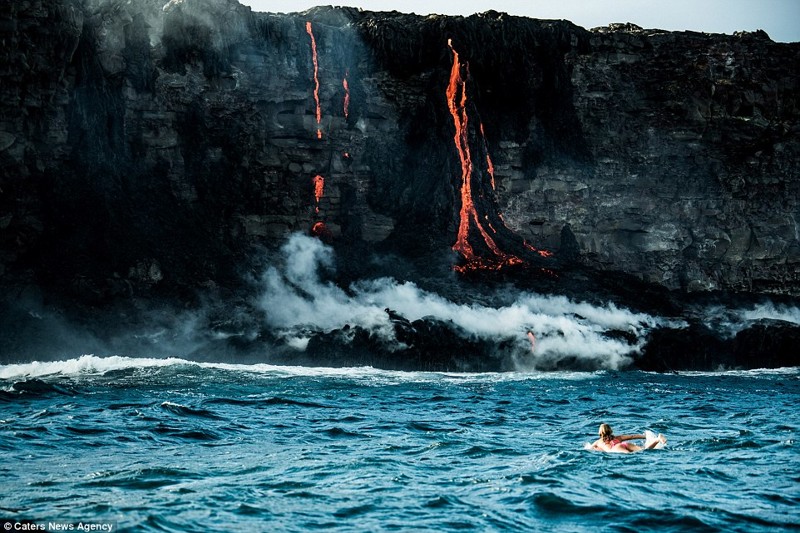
x=151, y=152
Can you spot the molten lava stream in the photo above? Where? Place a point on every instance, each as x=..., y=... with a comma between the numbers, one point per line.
x=321, y=231
x=489, y=164
x=346, y=85
x=468, y=215
x=460, y=121
x=543, y=253
x=310, y=32
x=319, y=188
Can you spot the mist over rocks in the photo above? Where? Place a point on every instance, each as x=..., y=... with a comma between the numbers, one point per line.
x=155, y=155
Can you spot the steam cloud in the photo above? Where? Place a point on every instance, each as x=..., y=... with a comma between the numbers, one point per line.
x=298, y=302
x=729, y=322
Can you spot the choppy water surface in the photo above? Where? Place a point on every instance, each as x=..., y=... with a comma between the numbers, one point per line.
x=168, y=445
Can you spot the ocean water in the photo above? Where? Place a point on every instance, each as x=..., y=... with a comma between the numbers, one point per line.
x=170, y=445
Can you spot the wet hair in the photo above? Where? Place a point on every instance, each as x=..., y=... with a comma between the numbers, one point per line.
x=605, y=432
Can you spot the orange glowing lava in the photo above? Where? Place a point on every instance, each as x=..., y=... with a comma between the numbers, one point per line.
x=489, y=164
x=346, y=94
x=310, y=32
x=320, y=230
x=468, y=216
x=471, y=185
x=459, y=114
x=543, y=253
x=319, y=188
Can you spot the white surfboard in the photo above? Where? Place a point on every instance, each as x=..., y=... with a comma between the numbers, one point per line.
x=649, y=438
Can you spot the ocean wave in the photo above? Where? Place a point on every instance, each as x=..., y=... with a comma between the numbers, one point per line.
x=784, y=371
x=92, y=365
x=26, y=377
x=185, y=410
x=96, y=365
x=35, y=387
x=86, y=364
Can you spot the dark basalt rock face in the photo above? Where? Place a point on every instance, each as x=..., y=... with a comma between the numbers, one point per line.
x=150, y=151
x=766, y=344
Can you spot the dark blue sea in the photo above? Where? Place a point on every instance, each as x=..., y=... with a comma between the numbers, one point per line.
x=170, y=445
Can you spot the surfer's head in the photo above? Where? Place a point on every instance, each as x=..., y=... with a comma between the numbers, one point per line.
x=605, y=432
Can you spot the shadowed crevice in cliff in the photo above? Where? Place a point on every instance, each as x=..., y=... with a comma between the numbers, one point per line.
x=81, y=200
x=189, y=41
x=105, y=208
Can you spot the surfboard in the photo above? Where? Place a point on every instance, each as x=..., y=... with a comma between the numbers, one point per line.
x=650, y=437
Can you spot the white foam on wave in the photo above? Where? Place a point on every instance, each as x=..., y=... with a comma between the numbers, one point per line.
x=296, y=301
x=754, y=372
x=91, y=365
x=86, y=364
x=95, y=365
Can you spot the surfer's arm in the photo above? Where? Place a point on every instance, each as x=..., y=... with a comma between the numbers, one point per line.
x=631, y=437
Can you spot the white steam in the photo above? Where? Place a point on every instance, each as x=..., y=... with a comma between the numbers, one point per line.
x=731, y=321
x=297, y=302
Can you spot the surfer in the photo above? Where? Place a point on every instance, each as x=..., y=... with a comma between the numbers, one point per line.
x=608, y=442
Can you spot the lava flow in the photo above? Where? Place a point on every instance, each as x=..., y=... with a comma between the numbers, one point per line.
x=346, y=94
x=468, y=216
x=489, y=164
x=310, y=32
x=321, y=231
x=319, y=187
x=459, y=114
